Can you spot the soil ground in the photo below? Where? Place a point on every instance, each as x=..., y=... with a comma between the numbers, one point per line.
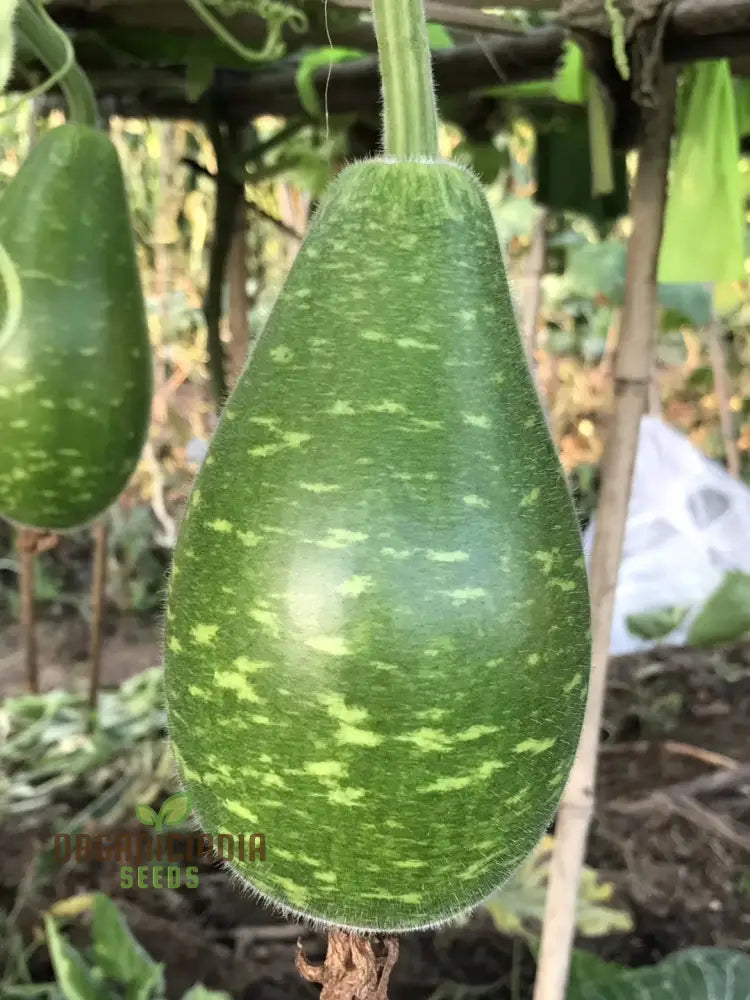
x=671, y=832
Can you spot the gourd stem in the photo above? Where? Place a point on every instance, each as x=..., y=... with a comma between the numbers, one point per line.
x=52, y=48
x=410, y=121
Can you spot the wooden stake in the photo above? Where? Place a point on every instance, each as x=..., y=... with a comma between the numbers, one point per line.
x=532, y=292
x=27, y=546
x=239, y=301
x=98, y=588
x=632, y=371
x=723, y=390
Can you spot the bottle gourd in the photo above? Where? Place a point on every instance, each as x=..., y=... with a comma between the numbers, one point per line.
x=377, y=639
x=75, y=376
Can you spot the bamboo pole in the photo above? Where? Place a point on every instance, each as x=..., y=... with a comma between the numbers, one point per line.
x=632, y=374
x=239, y=301
x=98, y=588
x=27, y=547
x=723, y=390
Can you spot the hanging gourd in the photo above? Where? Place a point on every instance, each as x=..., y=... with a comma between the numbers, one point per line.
x=377, y=639
x=75, y=370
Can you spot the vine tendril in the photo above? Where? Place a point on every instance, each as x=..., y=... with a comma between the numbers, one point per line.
x=276, y=13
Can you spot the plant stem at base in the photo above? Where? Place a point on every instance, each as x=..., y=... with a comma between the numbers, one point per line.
x=410, y=121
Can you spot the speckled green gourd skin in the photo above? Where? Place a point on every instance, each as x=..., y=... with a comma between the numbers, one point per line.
x=377, y=639
x=76, y=377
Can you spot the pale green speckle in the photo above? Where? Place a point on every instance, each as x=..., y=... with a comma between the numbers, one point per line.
x=238, y=684
x=345, y=796
x=249, y=538
x=355, y=586
x=414, y=344
x=477, y=420
x=281, y=355
x=320, y=487
x=476, y=732
x=333, y=645
x=220, y=525
x=573, y=683
x=269, y=620
x=242, y=811
x=448, y=557
x=428, y=740
x=341, y=408
x=353, y=736
x=474, y=501
x=204, y=634
x=329, y=878
x=336, y=707
x=534, y=746
x=464, y=594
x=248, y=666
x=340, y=538
x=326, y=770
x=387, y=406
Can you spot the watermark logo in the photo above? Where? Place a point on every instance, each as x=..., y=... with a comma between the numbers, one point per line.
x=174, y=810
x=154, y=857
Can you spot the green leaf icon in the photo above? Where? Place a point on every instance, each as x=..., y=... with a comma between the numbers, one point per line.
x=146, y=815
x=175, y=809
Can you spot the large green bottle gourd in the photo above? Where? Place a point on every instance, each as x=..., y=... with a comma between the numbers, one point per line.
x=75, y=376
x=377, y=640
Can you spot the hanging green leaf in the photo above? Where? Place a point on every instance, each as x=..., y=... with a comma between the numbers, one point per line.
x=199, y=73
x=439, y=37
x=75, y=979
x=687, y=304
x=571, y=81
x=655, y=625
x=597, y=271
x=118, y=954
x=704, y=226
x=693, y=974
x=725, y=615
x=742, y=103
x=309, y=64
x=600, y=142
x=564, y=168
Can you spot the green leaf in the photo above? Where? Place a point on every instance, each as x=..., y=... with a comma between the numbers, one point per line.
x=309, y=64
x=199, y=73
x=685, y=304
x=199, y=992
x=146, y=815
x=725, y=615
x=571, y=80
x=693, y=974
x=439, y=37
x=598, y=269
x=73, y=975
x=175, y=809
x=522, y=899
x=119, y=955
x=485, y=159
x=704, y=223
x=656, y=624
